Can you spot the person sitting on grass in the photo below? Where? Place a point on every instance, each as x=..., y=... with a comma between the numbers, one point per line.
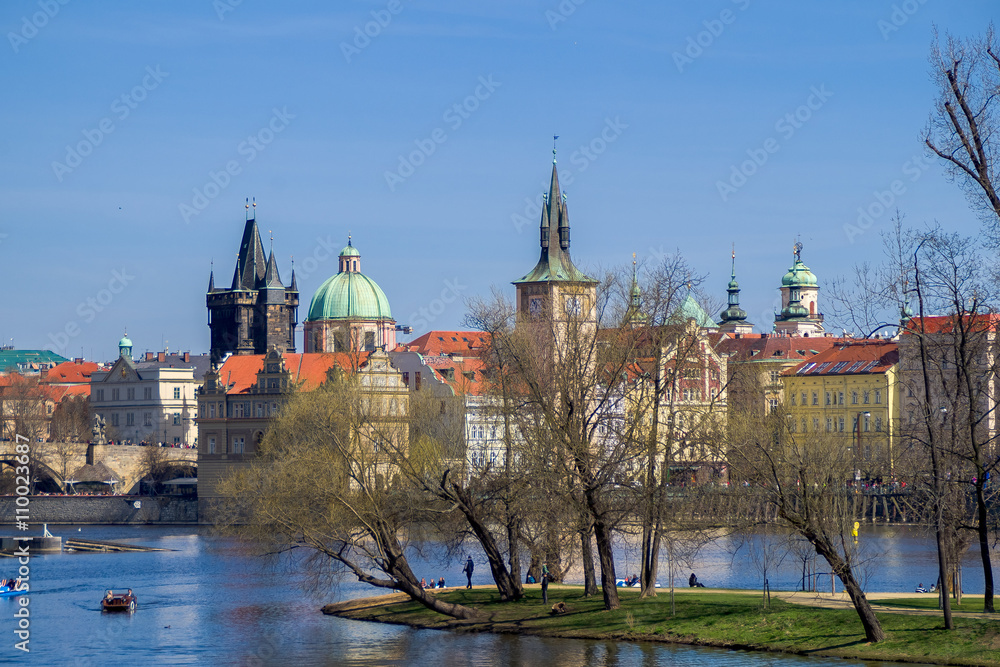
x=920, y=588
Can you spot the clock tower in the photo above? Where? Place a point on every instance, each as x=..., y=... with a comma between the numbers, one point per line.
x=555, y=289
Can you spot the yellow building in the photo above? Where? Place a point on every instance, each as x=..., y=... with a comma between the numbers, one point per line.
x=851, y=390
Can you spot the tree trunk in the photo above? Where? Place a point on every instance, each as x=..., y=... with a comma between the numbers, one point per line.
x=509, y=587
x=430, y=601
x=606, y=556
x=983, y=529
x=587, y=550
x=873, y=629
x=652, y=569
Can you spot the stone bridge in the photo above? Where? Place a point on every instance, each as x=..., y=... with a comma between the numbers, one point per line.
x=57, y=461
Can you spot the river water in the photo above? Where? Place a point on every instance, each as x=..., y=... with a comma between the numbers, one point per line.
x=206, y=602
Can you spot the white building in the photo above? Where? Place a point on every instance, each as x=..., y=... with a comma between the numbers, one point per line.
x=150, y=401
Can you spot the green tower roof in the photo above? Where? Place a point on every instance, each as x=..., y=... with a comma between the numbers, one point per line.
x=349, y=295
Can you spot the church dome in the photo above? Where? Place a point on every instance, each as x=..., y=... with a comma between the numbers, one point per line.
x=799, y=276
x=125, y=342
x=349, y=295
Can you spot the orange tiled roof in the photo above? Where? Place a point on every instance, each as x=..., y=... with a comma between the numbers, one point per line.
x=760, y=347
x=436, y=343
x=946, y=323
x=854, y=358
x=59, y=392
x=70, y=372
x=240, y=370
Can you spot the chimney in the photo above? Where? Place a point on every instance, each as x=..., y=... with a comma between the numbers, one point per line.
x=149, y=356
x=78, y=360
x=187, y=357
x=161, y=357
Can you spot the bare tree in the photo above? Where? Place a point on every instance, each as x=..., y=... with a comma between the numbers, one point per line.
x=964, y=127
x=805, y=478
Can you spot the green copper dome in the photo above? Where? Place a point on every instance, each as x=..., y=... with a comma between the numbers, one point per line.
x=349, y=251
x=349, y=295
x=125, y=342
x=799, y=276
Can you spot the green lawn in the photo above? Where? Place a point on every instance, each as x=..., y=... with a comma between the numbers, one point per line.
x=733, y=619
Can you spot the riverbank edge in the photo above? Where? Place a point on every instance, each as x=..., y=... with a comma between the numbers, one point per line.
x=362, y=609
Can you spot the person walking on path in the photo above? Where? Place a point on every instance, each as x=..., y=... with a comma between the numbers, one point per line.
x=545, y=587
x=467, y=571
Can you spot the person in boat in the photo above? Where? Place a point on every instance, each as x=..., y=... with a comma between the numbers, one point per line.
x=130, y=592
x=108, y=596
x=920, y=588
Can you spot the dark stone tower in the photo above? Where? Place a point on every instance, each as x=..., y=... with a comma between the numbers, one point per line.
x=257, y=312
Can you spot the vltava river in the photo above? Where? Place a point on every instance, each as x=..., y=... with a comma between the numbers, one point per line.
x=206, y=603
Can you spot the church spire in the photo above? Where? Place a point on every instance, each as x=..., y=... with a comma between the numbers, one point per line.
x=734, y=318
x=634, y=314
x=554, y=263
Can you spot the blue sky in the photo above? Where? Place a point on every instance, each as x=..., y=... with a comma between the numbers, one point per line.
x=656, y=104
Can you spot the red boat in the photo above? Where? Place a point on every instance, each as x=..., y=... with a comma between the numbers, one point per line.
x=119, y=601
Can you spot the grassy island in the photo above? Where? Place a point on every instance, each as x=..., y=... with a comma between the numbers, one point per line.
x=801, y=623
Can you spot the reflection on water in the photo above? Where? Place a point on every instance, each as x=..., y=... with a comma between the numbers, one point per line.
x=206, y=602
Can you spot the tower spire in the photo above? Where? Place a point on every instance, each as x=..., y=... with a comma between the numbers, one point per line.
x=733, y=318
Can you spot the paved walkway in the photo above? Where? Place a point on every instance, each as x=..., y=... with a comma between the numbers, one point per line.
x=843, y=601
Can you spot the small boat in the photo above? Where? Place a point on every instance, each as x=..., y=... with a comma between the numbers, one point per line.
x=9, y=588
x=119, y=601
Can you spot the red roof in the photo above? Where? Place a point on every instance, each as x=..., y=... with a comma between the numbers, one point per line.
x=769, y=347
x=436, y=343
x=857, y=357
x=947, y=323
x=59, y=392
x=240, y=370
x=70, y=372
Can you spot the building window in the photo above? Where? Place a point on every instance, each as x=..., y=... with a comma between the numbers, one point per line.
x=177, y=440
x=211, y=444
x=130, y=392
x=177, y=393
x=130, y=419
x=803, y=424
x=854, y=398
x=115, y=394
x=867, y=423
x=775, y=377
x=829, y=424
x=772, y=405
x=815, y=398
x=878, y=424
x=114, y=419
x=828, y=399
x=100, y=394
x=147, y=393
x=406, y=379
x=792, y=398
x=238, y=445
x=260, y=410
x=840, y=423
x=177, y=418
x=864, y=398
x=840, y=398
x=369, y=341
x=816, y=424
x=211, y=410
x=147, y=419
x=878, y=397
x=804, y=401
x=791, y=425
